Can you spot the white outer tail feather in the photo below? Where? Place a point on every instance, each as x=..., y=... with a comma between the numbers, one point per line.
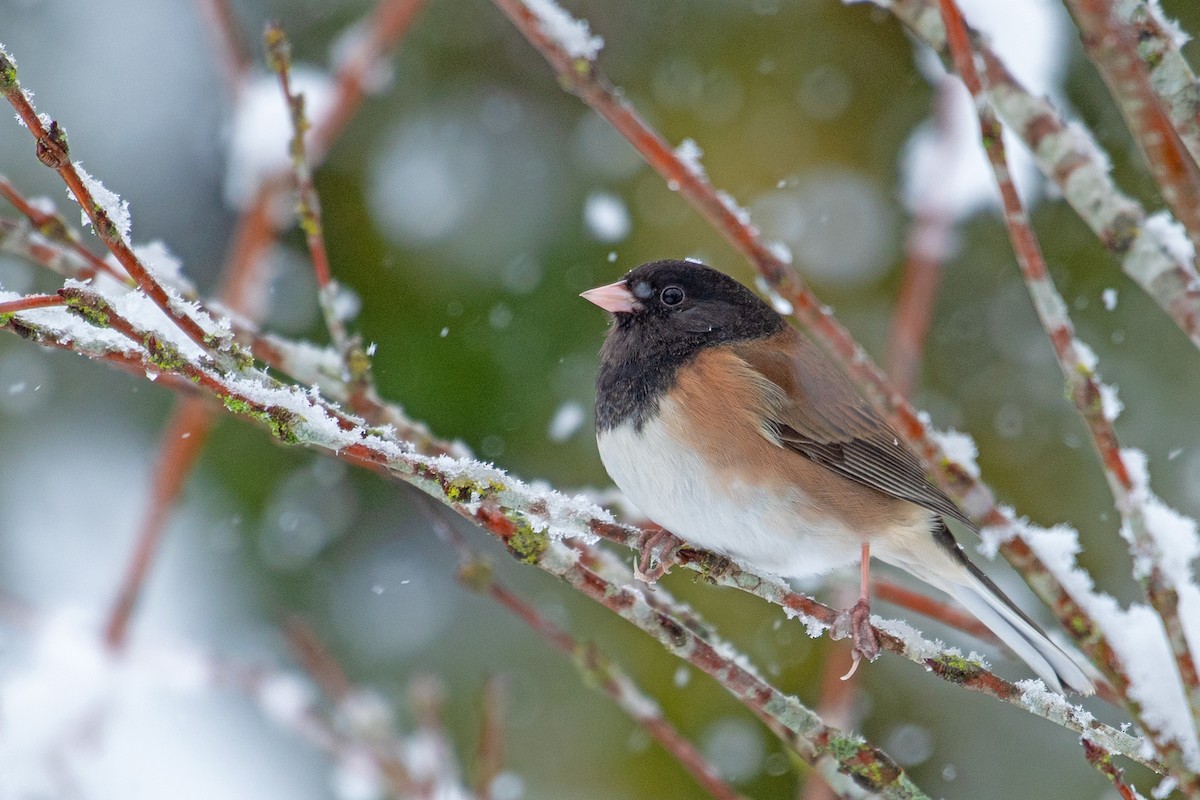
x=1048, y=660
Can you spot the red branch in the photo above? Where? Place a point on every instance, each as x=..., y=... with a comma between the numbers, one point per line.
x=55, y=228
x=1110, y=43
x=222, y=23
x=52, y=150
x=181, y=445
x=255, y=231
x=611, y=678
x=30, y=302
x=386, y=27
x=926, y=247
x=1084, y=388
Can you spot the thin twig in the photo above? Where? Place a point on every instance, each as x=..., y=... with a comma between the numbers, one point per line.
x=356, y=362
x=387, y=25
x=925, y=251
x=490, y=751
x=1102, y=760
x=30, y=302
x=182, y=442
x=227, y=40
x=55, y=228
x=1171, y=77
x=53, y=151
x=316, y=660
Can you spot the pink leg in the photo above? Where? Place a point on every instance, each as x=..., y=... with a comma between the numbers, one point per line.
x=864, y=643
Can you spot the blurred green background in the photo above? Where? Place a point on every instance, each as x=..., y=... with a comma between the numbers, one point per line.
x=455, y=209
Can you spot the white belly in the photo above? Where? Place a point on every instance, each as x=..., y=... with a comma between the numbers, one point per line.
x=778, y=533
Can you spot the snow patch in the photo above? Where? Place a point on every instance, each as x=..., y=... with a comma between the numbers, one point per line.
x=572, y=35
x=116, y=209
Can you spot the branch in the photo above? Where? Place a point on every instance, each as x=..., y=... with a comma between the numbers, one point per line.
x=52, y=226
x=1069, y=156
x=182, y=442
x=222, y=24
x=1077, y=365
x=110, y=221
x=356, y=362
x=490, y=752
x=595, y=668
x=925, y=250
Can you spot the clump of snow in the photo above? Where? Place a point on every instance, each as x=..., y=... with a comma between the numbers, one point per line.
x=778, y=302
x=262, y=128
x=1174, y=534
x=959, y=448
x=145, y=314
x=566, y=421
x=690, y=154
x=69, y=329
x=734, y=747
x=547, y=510
x=814, y=627
x=163, y=265
x=1170, y=235
x=993, y=537
x=346, y=302
x=739, y=213
x=683, y=676
x=354, y=44
x=366, y=714
x=67, y=677
x=914, y=641
x=286, y=698
x=1087, y=356
x=1109, y=298
x=357, y=777
x=572, y=35
x=1036, y=697
x=1110, y=402
x=781, y=251
x=606, y=217
x=114, y=207
x=1178, y=36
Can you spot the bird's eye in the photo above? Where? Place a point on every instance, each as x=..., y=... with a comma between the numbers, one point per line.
x=672, y=296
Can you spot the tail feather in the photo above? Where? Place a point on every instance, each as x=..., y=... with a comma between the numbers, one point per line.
x=1046, y=659
x=970, y=586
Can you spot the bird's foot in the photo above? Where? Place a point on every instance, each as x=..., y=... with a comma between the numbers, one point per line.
x=863, y=641
x=659, y=552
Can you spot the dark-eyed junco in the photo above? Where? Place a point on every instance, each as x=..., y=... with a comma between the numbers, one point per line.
x=729, y=428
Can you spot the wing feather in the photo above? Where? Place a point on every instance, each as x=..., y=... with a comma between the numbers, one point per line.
x=819, y=415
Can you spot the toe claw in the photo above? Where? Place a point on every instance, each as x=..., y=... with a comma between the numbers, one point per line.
x=855, y=661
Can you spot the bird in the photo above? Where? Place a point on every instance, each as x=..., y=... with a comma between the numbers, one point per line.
x=733, y=431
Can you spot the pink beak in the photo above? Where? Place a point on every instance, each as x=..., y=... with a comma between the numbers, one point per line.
x=614, y=298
